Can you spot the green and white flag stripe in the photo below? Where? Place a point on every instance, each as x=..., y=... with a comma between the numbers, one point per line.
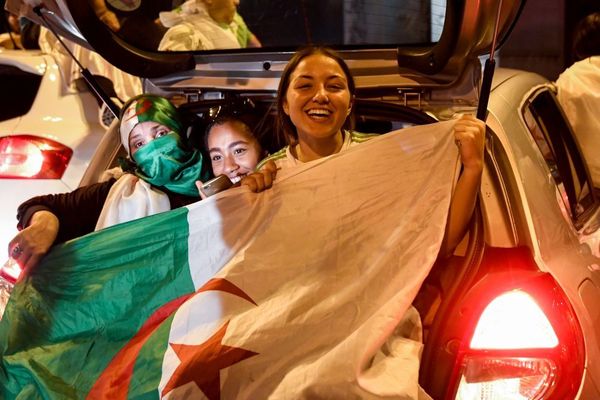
x=79, y=303
x=303, y=290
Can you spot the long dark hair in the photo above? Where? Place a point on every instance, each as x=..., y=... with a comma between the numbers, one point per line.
x=586, y=41
x=255, y=118
x=248, y=122
x=285, y=128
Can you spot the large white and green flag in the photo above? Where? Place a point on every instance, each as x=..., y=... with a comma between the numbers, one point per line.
x=301, y=291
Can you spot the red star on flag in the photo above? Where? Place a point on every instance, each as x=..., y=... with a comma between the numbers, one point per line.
x=202, y=364
x=115, y=380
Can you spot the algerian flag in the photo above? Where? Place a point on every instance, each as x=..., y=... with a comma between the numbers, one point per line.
x=301, y=291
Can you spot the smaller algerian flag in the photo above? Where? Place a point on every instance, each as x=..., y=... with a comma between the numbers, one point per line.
x=302, y=291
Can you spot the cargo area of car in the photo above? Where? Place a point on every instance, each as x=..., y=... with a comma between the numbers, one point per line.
x=450, y=278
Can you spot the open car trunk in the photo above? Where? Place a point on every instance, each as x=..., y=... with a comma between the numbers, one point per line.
x=397, y=86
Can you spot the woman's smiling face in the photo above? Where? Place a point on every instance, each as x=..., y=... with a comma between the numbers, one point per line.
x=318, y=99
x=233, y=150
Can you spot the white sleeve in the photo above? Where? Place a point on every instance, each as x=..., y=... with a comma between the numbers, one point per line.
x=181, y=37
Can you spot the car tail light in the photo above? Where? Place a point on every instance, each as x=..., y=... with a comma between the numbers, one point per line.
x=513, y=320
x=525, y=342
x=509, y=378
x=32, y=157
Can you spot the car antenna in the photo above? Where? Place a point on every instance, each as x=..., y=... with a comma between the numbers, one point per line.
x=488, y=72
x=87, y=75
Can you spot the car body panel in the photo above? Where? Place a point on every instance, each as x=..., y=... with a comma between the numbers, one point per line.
x=68, y=117
x=546, y=227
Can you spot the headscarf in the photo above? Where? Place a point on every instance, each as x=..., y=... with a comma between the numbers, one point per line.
x=164, y=162
x=147, y=107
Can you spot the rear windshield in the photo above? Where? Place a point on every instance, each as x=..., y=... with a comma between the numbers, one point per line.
x=275, y=24
x=19, y=89
x=348, y=22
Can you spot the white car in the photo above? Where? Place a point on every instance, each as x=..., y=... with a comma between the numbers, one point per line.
x=515, y=312
x=48, y=133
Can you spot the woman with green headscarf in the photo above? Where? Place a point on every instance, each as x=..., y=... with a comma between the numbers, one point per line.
x=163, y=176
x=164, y=172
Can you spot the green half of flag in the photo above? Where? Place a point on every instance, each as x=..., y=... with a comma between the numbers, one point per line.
x=64, y=324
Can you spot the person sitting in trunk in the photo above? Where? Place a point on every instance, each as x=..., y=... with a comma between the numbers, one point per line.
x=314, y=110
x=162, y=174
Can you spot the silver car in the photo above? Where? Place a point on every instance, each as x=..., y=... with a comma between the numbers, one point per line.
x=515, y=312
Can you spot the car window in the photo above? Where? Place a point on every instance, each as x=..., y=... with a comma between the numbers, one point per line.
x=15, y=80
x=226, y=24
x=342, y=22
x=555, y=140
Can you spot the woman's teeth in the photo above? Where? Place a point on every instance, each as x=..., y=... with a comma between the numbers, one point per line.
x=319, y=113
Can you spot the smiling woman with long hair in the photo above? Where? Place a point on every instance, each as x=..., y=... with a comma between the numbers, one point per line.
x=315, y=102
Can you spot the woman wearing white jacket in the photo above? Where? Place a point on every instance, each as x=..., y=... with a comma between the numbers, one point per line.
x=579, y=92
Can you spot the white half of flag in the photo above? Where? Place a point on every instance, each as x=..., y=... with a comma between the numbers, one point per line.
x=330, y=260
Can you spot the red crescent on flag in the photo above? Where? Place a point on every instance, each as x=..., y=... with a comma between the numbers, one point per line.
x=114, y=381
x=144, y=106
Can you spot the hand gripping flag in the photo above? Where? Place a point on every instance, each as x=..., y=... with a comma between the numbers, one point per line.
x=301, y=291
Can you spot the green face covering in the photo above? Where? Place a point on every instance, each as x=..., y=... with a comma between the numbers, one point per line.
x=164, y=162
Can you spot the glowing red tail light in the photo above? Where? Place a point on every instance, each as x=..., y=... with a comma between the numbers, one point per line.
x=525, y=342
x=513, y=320
x=32, y=157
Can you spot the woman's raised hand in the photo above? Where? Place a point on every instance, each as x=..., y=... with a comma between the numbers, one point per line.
x=30, y=245
x=261, y=180
x=469, y=135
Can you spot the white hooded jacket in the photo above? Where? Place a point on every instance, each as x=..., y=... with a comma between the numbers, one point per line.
x=579, y=95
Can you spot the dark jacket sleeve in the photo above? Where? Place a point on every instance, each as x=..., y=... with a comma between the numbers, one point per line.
x=77, y=211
